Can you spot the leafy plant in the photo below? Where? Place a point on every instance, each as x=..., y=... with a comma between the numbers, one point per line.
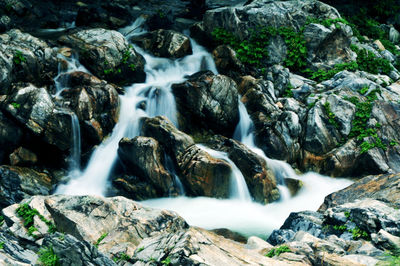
x=2, y=244
x=27, y=214
x=277, y=251
x=347, y=214
x=393, y=143
x=341, y=228
x=140, y=249
x=16, y=105
x=359, y=129
x=358, y=233
x=19, y=57
x=121, y=257
x=1, y=220
x=331, y=115
x=47, y=257
x=101, y=238
x=166, y=262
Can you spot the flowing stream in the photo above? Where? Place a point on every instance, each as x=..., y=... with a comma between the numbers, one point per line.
x=238, y=213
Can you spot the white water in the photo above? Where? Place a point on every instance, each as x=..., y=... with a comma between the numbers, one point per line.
x=238, y=186
x=75, y=156
x=73, y=65
x=251, y=218
x=156, y=93
x=237, y=214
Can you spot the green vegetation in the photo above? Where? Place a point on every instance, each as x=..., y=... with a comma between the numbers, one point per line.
x=140, y=249
x=322, y=74
x=121, y=257
x=28, y=214
x=101, y=238
x=359, y=233
x=368, y=62
x=393, y=143
x=19, y=57
x=126, y=55
x=341, y=228
x=2, y=244
x=360, y=129
x=16, y=105
x=347, y=214
x=47, y=257
x=277, y=251
x=254, y=50
x=331, y=115
x=1, y=220
x=166, y=262
x=288, y=92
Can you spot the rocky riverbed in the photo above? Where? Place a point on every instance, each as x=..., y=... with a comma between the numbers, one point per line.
x=104, y=105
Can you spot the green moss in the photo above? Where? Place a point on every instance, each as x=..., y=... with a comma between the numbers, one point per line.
x=19, y=57
x=47, y=257
x=331, y=115
x=277, y=251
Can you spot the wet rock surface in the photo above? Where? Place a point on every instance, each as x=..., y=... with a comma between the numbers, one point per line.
x=165, y=43
x=107, y=54
x=207, y=97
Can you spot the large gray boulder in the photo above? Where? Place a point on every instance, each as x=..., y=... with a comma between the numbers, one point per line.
x=241, y=19
x=34, y=109
x=25, y=58
x=107, y=54
x=210, y=99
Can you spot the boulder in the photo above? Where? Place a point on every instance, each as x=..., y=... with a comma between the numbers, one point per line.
x=71, y=251
x=227, y=62
x=96, y=104
x=10, y=137
x=210, y=99
x=259, y=178
x=240, y=19
x=201, y=174
x=380, y=187
x=198, y=246
x=18, y=183
x=326, y=47
x=23, y=157
x=25, y=58
x=122, y=223
x=103, y=15
x=164, y=43
x=143, y=157
x=13, y=253
x=34, y=109
x=107, y=54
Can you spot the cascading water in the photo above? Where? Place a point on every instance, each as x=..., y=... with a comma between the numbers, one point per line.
x=156, y=93
x=67, y=65
x=237, y=213
x=238, y=187
x=75, y=156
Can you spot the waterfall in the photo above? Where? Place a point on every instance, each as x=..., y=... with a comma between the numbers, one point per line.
x=169, y=165
x=238, y=186
x=154, y=97
x=156, y=93
x=75, y=156
x=65, y=66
